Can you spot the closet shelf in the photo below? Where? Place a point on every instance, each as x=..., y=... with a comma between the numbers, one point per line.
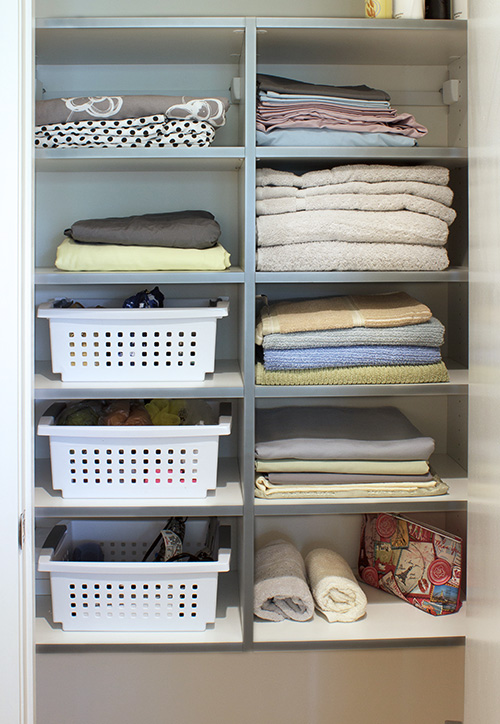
x=452, y=274
x=225, y=382
x=451, y=157
x=51, y=275
x=226, y=633
x=226, y=500
x=214, y=158
x=387, y=620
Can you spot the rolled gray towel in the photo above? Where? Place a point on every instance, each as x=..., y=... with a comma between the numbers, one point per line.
x=280, y=589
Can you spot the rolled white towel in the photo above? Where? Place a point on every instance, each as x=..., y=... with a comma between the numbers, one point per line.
x=335, y=590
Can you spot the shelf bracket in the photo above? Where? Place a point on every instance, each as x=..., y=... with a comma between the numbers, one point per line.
x=451, y=92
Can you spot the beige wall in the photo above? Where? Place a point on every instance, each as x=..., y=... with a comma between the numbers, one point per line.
x=375, y=686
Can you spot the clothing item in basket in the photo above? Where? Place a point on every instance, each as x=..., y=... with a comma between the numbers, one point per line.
x=122, y=107
x=137, y=412
x=280, y=588
x=183, y=229
x=124, y=412
x=348, y=433
x=418, y=563
x=329, y=137
x=284, y=104
x=145, y=300
x=267, y=490
x=141, y=133
x=335, y=590
x=73, y=256
x=392, y=309
x=181, y=412
x=366, y=375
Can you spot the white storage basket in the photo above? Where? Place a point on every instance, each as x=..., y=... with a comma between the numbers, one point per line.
x=171, y=344
x=143, y=462
x=122, y=593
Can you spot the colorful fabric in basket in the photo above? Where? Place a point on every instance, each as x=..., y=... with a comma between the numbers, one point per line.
x=418, y=563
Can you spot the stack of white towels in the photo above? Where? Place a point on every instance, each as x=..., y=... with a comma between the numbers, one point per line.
x=373, y=217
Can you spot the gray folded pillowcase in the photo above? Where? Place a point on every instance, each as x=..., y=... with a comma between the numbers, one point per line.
x=178, y=229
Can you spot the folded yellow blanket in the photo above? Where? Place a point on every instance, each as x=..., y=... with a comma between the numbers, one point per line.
x=392, y=309
x=72, y=256
x=368, y=467
x=369, y=375
x=265, y=489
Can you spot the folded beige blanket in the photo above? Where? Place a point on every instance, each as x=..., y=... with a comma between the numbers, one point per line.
x=396, y=374
x=394, y=227
x=351, y=256
x=335, y=590
x=372, y=467
x=391, y=309
x=269, y=491
x=360, y=202
x=72, y=256
x=435, y=192
x=371, y=173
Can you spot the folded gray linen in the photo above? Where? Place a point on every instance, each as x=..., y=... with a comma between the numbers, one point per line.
x=278, y=84
x=290, y=479
x=361, y=202
x=178, y=229
x=338, y=433
x=280, y=588
x=425, y=334
x=434, y=192
x=63, y=110
x=371, y=173
x=351, y=256
x=397, y=227
x=336, y=592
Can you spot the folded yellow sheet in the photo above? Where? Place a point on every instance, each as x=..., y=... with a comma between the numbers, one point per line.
x=265, y=489
x=72, y=256
x=367, y=467
x=369, y=375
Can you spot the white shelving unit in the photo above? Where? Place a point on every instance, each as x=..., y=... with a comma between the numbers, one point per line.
x=92, y=56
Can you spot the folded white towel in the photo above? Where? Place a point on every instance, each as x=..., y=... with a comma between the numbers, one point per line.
x=441, y=194
x=336, y=592
x=399, y=227
x=361, y=202
x=372, y=173
x=351, y=256
x=280, y=588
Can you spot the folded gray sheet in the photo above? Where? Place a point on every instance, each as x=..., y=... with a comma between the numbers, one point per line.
x=343, y=478
x=339, y=433
x=278, y=84
x=178, y=229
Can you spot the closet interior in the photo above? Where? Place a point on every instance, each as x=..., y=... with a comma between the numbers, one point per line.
x=413, y=61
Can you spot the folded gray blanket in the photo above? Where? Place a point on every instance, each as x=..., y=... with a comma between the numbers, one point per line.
x=62, y=110
x=361, y=202
x=351, y=256
x=178, y=229
x=339, y=433
x=426, y=334
x=288, y=85
x=434, y=192
x=280, y=588
x=375, y=354
x=290, y=479
x=398, y=227
x=371, y=173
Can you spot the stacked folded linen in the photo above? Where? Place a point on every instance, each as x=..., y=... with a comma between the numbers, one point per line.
x=181, y=240
x=316, y=452
x=357, y=339
x=128, y=121
x=294, y=113
x=356, y=217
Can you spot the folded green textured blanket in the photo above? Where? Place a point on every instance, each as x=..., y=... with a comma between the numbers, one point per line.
x=397, y=374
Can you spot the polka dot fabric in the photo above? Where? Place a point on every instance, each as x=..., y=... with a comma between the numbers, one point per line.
x=145, y=132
